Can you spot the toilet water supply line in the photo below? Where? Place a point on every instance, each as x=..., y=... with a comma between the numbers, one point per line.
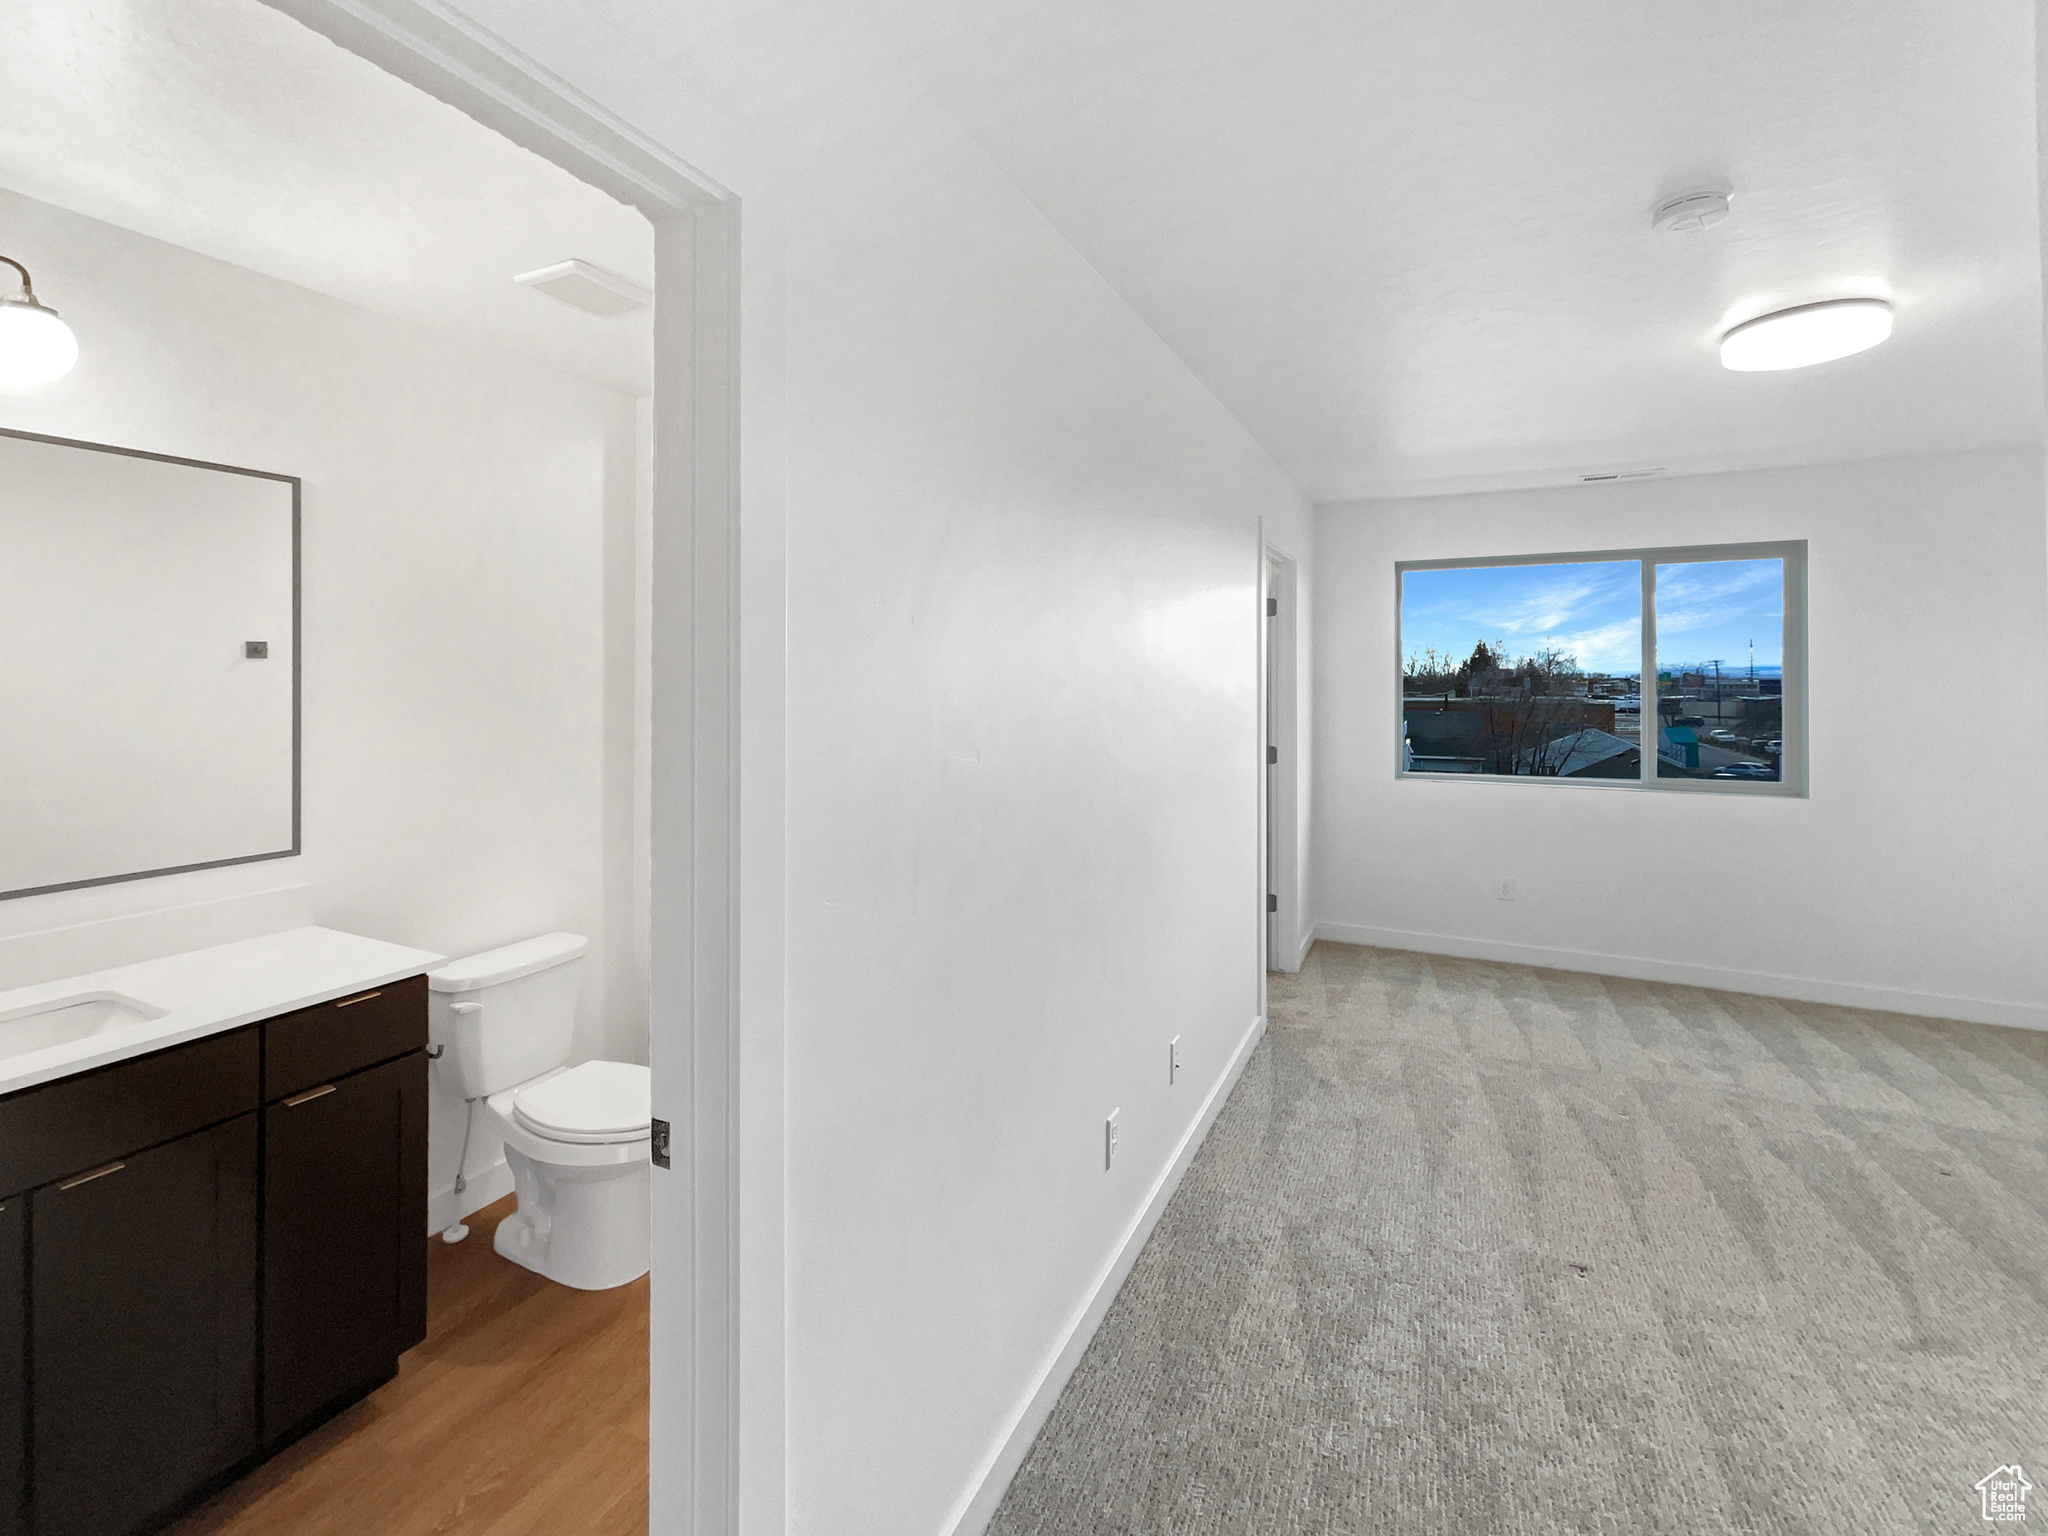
x=456, y=1231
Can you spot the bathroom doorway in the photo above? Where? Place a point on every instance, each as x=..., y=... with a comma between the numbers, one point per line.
x=644, y=715
x=695, y=838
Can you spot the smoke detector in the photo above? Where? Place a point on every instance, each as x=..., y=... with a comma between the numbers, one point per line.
x=1690, y=212
x=591, y=289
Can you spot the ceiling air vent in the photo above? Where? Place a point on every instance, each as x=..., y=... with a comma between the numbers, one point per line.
x=590, y=289
x=1619, y=474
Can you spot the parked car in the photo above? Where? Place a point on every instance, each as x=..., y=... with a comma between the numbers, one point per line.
x=1752, y=771
x=1775, y=747
x=1721, y=735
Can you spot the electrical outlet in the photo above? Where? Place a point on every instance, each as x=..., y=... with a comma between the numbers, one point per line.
x=1506, y=891
x=1109, y=1140
x=1173, y=1061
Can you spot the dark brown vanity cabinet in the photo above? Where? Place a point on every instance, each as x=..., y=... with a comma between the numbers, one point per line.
x=344, y=1247
x=203, y=1251
x=142, y=1299
x=13, y=1367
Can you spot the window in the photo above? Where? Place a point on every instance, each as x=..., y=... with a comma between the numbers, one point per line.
x=1656, y=668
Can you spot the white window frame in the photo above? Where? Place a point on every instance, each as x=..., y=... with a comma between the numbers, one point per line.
x=1792, y=763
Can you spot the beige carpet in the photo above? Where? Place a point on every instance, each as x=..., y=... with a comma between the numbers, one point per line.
x=1484, y=1249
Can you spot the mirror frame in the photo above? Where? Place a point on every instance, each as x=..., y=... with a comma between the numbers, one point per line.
x=297, y=794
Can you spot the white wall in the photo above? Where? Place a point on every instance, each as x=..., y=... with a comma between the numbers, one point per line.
x=1024, y=564
x=468, y=535
x=1909, y=879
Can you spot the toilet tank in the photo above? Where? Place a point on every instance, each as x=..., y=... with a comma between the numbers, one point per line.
x=506, y=1015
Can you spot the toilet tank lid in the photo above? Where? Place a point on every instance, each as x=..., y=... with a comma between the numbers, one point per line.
x=508, y=963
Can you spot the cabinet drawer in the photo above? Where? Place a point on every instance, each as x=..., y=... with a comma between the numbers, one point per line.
x=64, y=1127
x=316, y=1045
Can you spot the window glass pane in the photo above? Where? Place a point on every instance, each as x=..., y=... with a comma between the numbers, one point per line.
x=1523, y=670
x=1721, y=670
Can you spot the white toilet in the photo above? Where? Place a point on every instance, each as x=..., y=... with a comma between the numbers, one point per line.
x=575, y=1137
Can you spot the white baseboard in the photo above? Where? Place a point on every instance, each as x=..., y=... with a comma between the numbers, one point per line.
x=971, y=1515
x=1805, y=989
x=1308, y=942
x=443, y=1210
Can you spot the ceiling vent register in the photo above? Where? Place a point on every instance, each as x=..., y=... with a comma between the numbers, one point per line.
x=592, y=289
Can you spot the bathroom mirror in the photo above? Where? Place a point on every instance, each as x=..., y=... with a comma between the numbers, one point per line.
x=149, y=664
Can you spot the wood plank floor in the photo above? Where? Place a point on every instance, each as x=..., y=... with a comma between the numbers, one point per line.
x=523, y=1414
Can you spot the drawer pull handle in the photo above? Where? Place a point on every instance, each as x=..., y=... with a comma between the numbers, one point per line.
x=86, y=1178
x=350, y=1002
x=311, y=1093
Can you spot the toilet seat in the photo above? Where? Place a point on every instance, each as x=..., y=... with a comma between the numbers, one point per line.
x=595, y=1103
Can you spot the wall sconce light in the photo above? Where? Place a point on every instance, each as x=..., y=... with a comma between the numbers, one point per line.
x=36, y=348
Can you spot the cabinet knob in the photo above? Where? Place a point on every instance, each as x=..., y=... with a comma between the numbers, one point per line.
x=310, y=1094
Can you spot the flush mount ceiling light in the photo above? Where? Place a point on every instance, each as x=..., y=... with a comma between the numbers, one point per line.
x=1812, y=333
x=592, y=289
x=36, y=347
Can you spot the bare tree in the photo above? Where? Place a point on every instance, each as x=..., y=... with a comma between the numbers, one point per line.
x=1431, y=671
x=1531, y=712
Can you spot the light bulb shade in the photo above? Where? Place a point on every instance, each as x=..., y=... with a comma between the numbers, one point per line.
x=1812, y=333
x=36, y=347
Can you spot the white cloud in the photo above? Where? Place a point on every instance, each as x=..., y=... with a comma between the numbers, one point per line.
x=1616, y=647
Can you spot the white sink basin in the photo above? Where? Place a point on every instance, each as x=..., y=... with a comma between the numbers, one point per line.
x=63, y=1020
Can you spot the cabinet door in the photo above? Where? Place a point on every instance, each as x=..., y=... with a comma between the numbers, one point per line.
x=143, y=1330
x=345, y=1237
x=13, y=1366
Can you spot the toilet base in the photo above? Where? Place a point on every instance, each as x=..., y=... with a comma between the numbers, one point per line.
x=580, y=1227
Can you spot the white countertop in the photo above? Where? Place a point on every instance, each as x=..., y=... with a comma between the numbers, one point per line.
x=205, y=991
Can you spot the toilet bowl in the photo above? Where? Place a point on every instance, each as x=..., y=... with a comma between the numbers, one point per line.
x=576, y=1137
x=576, y=1140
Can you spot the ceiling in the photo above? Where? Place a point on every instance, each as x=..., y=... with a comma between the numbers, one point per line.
x=1409, y=245
x=227, y=128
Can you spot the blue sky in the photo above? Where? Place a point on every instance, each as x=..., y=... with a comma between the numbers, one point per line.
x=1594, y=611
x=1716, y=608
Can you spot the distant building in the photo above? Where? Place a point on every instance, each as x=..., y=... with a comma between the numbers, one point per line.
x=1587, y=754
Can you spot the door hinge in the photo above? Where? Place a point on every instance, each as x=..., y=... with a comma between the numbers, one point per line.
x=658, y=1142
x=1272, y=607
x=1272, y=754
x=1272, y=902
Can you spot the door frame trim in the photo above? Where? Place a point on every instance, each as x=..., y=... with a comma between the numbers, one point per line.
x=694, y=793
x=1280, y=714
